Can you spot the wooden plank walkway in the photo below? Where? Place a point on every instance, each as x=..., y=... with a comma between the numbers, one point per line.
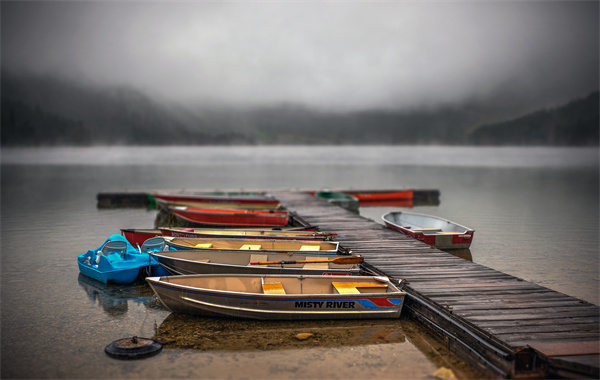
x=504, y=325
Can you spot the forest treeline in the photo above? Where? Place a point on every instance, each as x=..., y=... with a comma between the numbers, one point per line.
x=575, y=123
x=46, y=111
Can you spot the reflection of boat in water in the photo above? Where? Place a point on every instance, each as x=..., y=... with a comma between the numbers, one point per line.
x=206, y=334
x=114, y=299
x=462, y=253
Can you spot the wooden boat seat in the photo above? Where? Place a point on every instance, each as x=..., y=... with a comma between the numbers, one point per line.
x=425, y=229
x=203, y=245
x=309, y=248
x=315, y=265
x=203, y=260
x=273, y=288
x=253, y=247
x=351, y=287
x=449, y=232
x=255, y=257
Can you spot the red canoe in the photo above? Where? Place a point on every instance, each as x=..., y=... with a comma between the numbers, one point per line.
x=226, y=217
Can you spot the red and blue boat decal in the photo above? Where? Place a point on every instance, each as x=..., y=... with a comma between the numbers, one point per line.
x=378, y=303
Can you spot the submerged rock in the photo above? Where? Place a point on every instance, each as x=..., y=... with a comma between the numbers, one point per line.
x=304, y=336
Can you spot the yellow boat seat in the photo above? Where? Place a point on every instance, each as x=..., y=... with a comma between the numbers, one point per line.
x=253, y=247
x=273, y=288
x=425, y=229
x=309, y=248
x=351, y=287
x=449, y=233
x=203, y=245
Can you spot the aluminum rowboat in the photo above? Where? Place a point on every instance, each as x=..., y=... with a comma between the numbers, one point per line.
x=431, y=230
x=279, y=297
x=316, y=247
x=213, y=262
x=246, y=233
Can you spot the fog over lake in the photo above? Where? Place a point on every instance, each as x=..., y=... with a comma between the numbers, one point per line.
x=325, y=55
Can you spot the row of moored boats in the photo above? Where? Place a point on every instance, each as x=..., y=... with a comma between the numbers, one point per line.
x=237, y=255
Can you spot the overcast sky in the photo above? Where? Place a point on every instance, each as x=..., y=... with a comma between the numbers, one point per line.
x=331, y=55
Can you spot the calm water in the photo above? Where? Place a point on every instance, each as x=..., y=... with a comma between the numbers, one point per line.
x=535, y=212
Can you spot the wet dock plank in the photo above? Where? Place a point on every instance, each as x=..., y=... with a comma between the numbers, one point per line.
x=505, y=325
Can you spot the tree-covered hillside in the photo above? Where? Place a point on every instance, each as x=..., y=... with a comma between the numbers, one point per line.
x=38, y=110
x=576, y=123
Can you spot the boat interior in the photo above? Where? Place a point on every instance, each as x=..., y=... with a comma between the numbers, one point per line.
x=253, y=244
x=426, y=225
x=245, y=258
x=273, y=284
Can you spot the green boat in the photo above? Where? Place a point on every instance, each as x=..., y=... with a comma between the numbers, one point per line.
x=344, y=200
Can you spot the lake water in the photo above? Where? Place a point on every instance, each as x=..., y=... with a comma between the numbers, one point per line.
x=535, y=212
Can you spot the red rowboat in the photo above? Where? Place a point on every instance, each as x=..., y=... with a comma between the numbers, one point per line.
x=137, y=237
x=382, y=195
x=217, y=198
x=227, y=217
x=433, y=230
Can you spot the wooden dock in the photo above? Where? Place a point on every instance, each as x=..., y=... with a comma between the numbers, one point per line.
x=504, y=325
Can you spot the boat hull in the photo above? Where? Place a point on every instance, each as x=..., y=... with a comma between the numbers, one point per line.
x=122, y=276
x=137, y=237
x=431, y=230
x=231, y=218
x=382, y=195
x=237, y=304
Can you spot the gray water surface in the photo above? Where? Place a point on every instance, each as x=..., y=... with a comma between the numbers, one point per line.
x=535, y=212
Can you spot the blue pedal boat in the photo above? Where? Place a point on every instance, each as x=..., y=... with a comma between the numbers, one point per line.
x=116, y=260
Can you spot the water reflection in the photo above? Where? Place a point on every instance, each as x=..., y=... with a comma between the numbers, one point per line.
x=464, y=253
x=114, y=299
x=387, y=345
x=186, y=331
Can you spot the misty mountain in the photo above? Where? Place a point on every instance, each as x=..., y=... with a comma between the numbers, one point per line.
x=44, y=110
x=39, y=110
x=575, y=123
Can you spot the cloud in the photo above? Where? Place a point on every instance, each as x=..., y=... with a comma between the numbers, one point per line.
x=331, y=55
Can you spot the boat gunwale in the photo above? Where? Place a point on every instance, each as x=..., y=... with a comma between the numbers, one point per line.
x=175, y=242
x=275, y=297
